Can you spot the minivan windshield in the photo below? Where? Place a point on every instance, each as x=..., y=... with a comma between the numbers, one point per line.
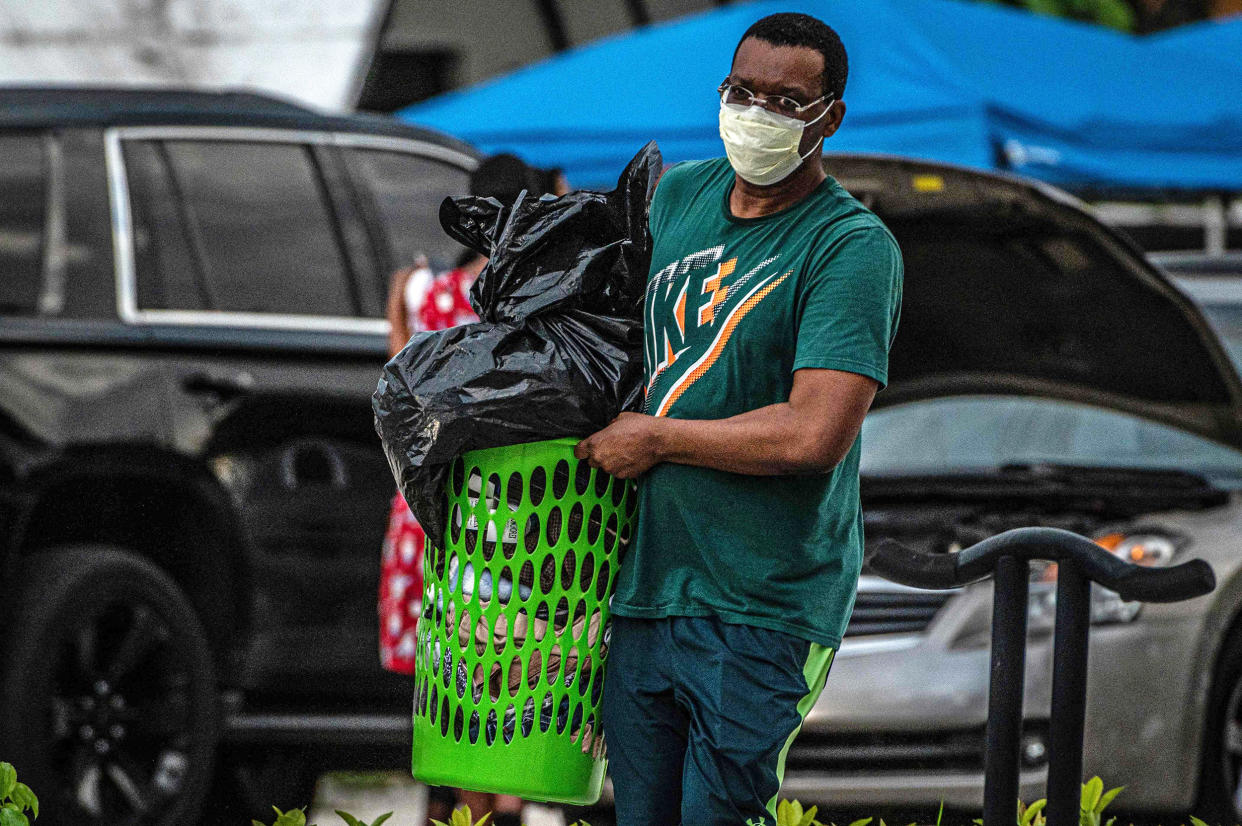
x=1226, y=320
x=960, y=434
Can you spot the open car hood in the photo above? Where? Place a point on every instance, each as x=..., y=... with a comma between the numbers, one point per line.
x=1012, y=287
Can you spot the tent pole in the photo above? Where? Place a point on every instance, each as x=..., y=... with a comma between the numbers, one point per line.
x=1215, y=225
x=639, y=16
x=553, y=24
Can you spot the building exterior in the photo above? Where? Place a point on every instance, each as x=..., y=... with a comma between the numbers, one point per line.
x=315, y=52
x=428, y=46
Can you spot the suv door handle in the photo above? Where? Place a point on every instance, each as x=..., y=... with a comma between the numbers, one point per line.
x=222, y=386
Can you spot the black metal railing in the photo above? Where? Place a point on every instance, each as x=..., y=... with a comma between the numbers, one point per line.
x=1007, y=557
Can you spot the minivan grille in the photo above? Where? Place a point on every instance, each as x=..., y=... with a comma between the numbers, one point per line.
x=892, y=611
x=906, y=751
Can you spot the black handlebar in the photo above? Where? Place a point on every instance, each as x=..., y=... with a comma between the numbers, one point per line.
x=895, y=561
x=1007, y=557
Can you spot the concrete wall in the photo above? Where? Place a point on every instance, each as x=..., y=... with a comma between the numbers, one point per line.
x=314, y=51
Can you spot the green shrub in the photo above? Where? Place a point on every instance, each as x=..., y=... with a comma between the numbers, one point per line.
x=1090, y=808
x=297, y=817
x=463, y=817
x=15, y=799
x=293, y=817
x=353, y=821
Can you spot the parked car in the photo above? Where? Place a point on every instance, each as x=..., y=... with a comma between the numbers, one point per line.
x=192, y=495
x=1044, y=374
x=1215, y=284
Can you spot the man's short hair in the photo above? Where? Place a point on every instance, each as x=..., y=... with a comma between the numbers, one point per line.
x=795, y=29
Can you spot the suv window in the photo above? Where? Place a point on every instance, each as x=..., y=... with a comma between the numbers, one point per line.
x=22, y=214
x=408, y=190
x=235, y=226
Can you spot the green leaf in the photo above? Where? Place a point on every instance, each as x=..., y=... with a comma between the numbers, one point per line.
x=293, y=817
x=483, y=820
x=1107, y=798
x=1052, y=8
x=1115, y=14
x=12, y=817
x=863, y=822
x=1091, y=791
x=8, y=779
x=379, y=820
x=25, y=798
x=350, y=819
x=940, y=814
x=1194, y=821
x=1032, y=812
x=808, y=817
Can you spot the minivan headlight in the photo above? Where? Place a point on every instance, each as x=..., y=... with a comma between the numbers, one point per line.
x=1148, y=548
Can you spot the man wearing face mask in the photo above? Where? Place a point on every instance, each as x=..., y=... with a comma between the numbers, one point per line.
x=771, y=304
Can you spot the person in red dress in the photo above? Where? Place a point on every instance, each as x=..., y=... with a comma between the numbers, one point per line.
x=419, y=301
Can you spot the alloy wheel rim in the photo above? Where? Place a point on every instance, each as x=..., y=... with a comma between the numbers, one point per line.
x=122, y=713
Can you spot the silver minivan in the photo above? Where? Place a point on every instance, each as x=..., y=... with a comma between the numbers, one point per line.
x=1045, y=373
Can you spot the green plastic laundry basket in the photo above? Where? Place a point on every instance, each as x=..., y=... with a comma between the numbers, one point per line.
x=513, y=638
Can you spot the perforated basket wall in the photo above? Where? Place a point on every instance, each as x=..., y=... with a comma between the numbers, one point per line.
x=513, y=639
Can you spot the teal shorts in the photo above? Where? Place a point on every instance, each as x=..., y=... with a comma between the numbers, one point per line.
x=698, y=717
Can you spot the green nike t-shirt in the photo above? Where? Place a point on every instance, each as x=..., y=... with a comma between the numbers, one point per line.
x=734, y=306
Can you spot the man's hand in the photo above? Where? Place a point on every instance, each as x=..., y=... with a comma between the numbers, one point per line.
x=627, y=448
x=810, y=433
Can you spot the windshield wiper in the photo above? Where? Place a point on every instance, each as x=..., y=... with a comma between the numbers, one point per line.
x=1103, y=474
x=1116, y=490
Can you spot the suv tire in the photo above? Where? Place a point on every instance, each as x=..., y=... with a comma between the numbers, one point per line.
x=249, y=783
x=109, y=699
x=1220, y=770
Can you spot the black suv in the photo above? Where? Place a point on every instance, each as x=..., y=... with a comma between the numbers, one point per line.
x=192, y=496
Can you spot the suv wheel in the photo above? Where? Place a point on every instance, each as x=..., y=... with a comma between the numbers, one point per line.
x=249, y=783
x=1220, y=778
x=108, y=695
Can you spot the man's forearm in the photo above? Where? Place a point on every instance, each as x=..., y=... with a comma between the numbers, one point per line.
x=810, y=433
x=769, y=441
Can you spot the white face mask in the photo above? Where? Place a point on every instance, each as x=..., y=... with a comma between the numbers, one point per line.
x=762, y=146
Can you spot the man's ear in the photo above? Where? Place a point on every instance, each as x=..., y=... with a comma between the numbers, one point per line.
x=832, y=121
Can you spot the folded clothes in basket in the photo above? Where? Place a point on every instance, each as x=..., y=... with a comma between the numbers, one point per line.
x=593, y=745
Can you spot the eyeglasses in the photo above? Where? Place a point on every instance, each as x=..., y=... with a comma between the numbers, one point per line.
x=740, y=95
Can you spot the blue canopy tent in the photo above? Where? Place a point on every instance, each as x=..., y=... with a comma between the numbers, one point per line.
x=960, y=82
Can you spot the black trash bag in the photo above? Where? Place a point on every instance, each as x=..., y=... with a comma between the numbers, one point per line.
x=558, y=349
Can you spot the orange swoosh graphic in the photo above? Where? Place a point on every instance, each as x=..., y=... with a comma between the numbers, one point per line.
x=686, y=381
